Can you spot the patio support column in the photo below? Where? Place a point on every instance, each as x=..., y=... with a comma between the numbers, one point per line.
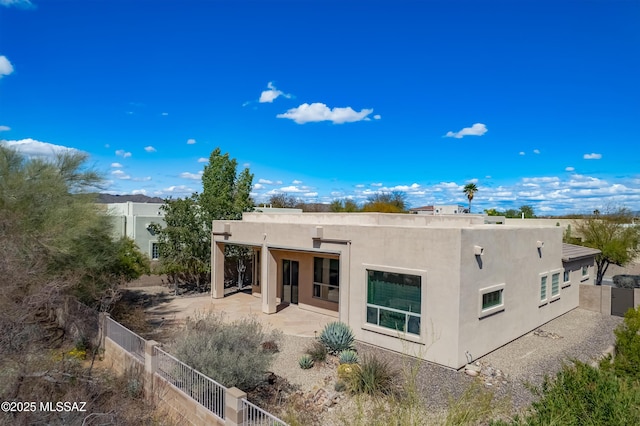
x=217, y=270
x=269, y=280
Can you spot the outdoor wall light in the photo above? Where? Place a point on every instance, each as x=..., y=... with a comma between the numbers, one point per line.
x=478, y=250
x=539, y=244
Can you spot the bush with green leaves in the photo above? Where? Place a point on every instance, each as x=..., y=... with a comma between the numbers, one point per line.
x=373, y=377
x=305, y=362
x=348, y=357
x=583, y=395
x=626, y=362
x=626, y=281
x=317, y=351
x=337, y=337
x=230, y=353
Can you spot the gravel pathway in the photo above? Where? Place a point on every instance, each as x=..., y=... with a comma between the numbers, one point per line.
x=579, y=334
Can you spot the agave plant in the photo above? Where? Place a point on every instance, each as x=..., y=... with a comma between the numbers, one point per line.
x=305, y=362
x=337, y=337
x=348, y=357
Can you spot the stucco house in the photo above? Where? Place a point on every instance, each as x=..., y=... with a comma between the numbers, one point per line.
x=445, y=288
x=131, y=219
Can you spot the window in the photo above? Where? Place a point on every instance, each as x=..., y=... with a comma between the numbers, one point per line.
x=155, y=251
x=543, y=288
x=585, y=270
x=326, y=279
x=566, y=278
x=492, y=299
x=394, y=301
x=555, y=284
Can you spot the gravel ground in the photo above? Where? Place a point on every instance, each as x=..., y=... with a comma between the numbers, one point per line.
x=579, y=334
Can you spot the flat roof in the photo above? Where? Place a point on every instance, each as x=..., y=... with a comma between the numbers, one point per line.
x=574, y=252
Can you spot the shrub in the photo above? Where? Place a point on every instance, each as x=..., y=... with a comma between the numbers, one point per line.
x=583, y=395
x=348, y=357
x=626, y=362
x=270, y=346
x=317, y=351
x=345, y=371
x=230, y=353
x=337, y=336
x=374, y=376
x=305, y=362
x=626, y=281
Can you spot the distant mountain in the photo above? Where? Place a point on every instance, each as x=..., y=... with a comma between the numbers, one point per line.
x=138, y=198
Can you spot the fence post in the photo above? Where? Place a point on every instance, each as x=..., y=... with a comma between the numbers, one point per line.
x=102, y=328
x=150, y=367
x=233, y=411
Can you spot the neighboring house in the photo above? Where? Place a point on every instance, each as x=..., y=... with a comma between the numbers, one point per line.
x=439, y=210
x=132, y=220
x=443, y=288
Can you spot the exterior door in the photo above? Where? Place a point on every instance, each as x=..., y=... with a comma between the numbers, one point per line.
x=290, y=270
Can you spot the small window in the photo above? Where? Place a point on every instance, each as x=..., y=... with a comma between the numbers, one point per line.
x=566, y=278
x=543, y=288
x=555, y=284
x=585, y=270
x=326, y=279
x=493, y=299
x=155, y=251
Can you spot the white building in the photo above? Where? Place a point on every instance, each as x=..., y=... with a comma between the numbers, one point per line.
x=133, y=219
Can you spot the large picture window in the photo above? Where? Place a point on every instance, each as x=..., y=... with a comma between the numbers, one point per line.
x=326, y=279
x=394, y=301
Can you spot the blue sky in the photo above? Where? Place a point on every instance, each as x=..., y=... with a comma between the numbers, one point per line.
x=537, y=102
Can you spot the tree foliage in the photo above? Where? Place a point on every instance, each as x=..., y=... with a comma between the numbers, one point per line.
x=347, y=206
x=614, y=234
x=470, y=190
x=185, y=241
x=386, y=202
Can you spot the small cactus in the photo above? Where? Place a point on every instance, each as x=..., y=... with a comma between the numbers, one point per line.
x=345, y=371
x=305, y=362
x=348, y=357
x=337, y=336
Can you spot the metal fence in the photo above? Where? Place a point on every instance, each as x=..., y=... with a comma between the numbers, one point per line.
x=126, y=338
x=205, y=391
x=256, y=416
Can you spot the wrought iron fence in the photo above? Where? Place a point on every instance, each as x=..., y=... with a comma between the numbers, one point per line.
x=126, y=338
x=205, y=391
x=256, y=416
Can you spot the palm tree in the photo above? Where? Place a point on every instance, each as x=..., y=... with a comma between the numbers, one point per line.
x=470, y=189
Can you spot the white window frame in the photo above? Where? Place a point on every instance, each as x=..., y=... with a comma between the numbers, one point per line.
x=423, y=299
x=566, y=283
x=542, y=301
x=584, y=276
x=482, y=313
x=550, y=284
x=151, y=243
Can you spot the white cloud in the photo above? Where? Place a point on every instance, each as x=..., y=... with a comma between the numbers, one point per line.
x=569, y=169
x=310, y=194
x=265, y=181
x=296, y=182
x=4, y=128
x=25, y=4
x=521, y=153
x=377, y=117
x=316, y=112
x=478, y=129
x=194, y=176
x=359, y=185
x=149, y=148
x=36, y=148
x=120, y=175
x=258, y=186
x=292, y=188
x=203, y=160
x=268, y=96
x=5, y=66
x=191, y=141
x=178, y=189
x=592, y=156
x=122, y=153
x=139, y=192
x=164, y=114
x=536, y=151
x=116, y=165
x=142, y=179
x=376, y=184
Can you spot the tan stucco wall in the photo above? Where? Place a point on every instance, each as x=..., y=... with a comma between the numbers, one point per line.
x=440, y=250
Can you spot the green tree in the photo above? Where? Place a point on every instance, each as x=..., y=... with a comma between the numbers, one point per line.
x=493, y=212
x=347, y=205
x=626, y=361
x=512, y=213
x=470, y=190
x=386, y=202
x=185, y=241
x=614, y=234
x=528, y=211
x=283, y=201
